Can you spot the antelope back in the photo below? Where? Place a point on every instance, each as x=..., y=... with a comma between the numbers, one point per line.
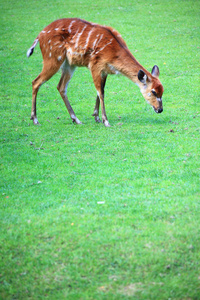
x=79, y=41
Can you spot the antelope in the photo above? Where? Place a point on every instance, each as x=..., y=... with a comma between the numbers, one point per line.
x=71, y=42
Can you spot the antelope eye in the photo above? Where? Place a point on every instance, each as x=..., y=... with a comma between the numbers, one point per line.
x=154, y=93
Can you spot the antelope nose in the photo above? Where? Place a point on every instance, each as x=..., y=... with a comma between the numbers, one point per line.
x=160, y=110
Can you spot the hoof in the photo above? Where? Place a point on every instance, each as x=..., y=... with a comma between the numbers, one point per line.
x=97, y=119
x=77, y=121
x=35, y=121
x=106, y=123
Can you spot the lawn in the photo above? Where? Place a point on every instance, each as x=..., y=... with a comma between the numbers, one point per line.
x=89, y=212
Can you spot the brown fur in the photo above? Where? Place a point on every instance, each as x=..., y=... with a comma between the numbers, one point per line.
x=70, y=43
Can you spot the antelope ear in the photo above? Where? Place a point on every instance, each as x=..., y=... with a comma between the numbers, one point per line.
x=155, y=71
x=142, y=76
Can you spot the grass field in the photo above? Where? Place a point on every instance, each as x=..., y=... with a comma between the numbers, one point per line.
x=89, y=212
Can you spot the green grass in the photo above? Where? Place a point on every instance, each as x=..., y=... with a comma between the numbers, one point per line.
x=89, y=212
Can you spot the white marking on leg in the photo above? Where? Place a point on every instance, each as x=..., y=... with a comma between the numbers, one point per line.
x=106, y=123
x=97, y=119
x=95, y=112
x=35, y=121
x=73, y=116
x=66, y=68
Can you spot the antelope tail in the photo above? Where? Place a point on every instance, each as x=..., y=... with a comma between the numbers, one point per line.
x=30, y=50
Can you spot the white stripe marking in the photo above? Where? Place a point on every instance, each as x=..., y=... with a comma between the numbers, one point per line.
x=99, y=40
x=79, y=35
x=95, y=41
x=104, y=46
x=88, y=38
x=70, y=26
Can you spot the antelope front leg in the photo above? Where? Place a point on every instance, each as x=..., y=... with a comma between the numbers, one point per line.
x=99, y=82
x=100, y=98
x=103, y=111
x=96, y=110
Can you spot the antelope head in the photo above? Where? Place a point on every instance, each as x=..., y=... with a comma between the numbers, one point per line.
x=151, y=88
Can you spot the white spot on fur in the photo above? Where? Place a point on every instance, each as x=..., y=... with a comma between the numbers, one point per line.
x=59, y=58
x=50, y=54
x=49, y=41
x=56, y=29
x=49, y=31
x=43, y=31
